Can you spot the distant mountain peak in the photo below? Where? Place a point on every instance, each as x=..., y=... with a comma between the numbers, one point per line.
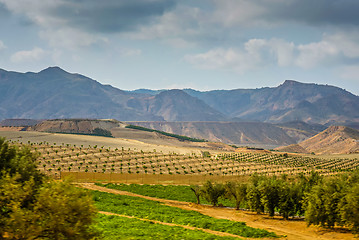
x=53, y=70
x=174, y=91
x=291, y=82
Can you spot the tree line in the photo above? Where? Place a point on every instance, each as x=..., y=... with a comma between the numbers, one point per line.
x=33, y=206
x=325, y=201
x=179, y=137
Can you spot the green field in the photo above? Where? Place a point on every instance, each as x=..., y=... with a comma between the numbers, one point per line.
x=171, y=192
x=152, y=210
x=116, y=227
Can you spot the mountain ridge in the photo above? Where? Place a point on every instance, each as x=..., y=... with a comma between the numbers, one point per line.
x=56, y=93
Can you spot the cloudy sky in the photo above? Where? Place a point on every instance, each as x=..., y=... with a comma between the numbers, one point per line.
x=202, y=44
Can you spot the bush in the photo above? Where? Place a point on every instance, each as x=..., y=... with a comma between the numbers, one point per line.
x=33, y=207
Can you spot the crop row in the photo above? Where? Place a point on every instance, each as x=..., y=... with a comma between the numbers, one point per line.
x=71, y=158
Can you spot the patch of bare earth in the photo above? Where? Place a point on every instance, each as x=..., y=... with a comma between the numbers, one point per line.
x=15, y=129
x=289, y=229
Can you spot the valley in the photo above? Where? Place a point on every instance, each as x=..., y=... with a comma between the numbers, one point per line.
x=276, y=140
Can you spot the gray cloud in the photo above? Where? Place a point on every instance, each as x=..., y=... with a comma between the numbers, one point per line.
x=331, y=12
x=317, y=12
x=91, y=15
x=111, y=15
x=4, y=12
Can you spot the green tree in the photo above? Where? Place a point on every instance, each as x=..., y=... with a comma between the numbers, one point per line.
x=254, y=198
x=197, y=191
x=212, y=192
x=237, y=191
x=18, y=161
x=15, y=200
x=290, y=200
x=270, y=194
x=254, y=195
x=34, y=207
x=349, y=208
x=322, y=203
x=65, y=212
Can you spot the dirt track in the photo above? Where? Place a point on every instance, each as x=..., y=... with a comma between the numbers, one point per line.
x=177, y=225
x=292, y=229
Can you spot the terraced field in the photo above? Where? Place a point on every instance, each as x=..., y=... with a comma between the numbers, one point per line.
x=56, y=159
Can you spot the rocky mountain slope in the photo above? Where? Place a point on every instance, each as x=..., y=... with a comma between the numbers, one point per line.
x=300, y=131
x=239, y=133
x=55, y=93
x=333, y=140
x=291, y=101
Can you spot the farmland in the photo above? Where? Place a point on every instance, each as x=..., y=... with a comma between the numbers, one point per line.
x=67, y=158
x=293, y=229
x=147, y=209
x=119, y=227
x=116, y=163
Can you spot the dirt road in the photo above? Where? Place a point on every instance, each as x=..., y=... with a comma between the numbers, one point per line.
x=290, y=229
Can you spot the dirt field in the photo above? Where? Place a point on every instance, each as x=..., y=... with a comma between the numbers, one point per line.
x=290, y=229
x=86, y=140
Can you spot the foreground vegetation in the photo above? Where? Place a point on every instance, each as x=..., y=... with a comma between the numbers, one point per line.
x=172, y=192
x=325, y=201
x=29, y=201
x=147, y=209
x=116, y=227
x=33, y=206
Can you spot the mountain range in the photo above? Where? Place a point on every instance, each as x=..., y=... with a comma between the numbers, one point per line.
x=54, y=93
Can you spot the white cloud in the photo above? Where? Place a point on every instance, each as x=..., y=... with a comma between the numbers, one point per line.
x=254, y=54
x=70, y=38
x=35, y=54
x=225, y=59
x=312, y=54
x=346, y=42
x=2, y=45
x=258, y=53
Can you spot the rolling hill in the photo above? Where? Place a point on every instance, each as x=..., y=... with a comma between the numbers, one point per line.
x=333, y=140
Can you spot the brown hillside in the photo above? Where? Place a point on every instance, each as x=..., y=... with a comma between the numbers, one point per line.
x=75, y=125
x=118, y=130
x=294, y=148
x=334, y=140
x=239, y=133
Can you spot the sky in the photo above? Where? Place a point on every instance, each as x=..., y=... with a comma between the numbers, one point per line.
x=202, y=44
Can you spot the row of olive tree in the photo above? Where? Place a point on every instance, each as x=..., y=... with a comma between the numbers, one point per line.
x=323, y=201
x=33, y=206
